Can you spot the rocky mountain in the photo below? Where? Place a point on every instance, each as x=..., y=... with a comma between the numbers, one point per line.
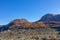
x=52, y=20
x=21, y=29
x=51, y=17
x=48, y=20
x=21, y=24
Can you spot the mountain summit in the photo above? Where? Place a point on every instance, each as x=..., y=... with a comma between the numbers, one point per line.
x=19, y=21
x=51, y=17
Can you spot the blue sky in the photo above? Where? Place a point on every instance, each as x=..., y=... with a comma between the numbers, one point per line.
x=32, y=10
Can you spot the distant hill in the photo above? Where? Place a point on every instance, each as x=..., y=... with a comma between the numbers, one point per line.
x=52, y=20
x=51, y=17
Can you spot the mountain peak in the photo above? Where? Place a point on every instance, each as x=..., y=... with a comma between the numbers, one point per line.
x=17, y=21
x=20, y=20
x=51, y=17
x=52, y=14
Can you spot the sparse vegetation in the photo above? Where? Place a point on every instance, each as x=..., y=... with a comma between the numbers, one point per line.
x=21, y=29
x=27, y=34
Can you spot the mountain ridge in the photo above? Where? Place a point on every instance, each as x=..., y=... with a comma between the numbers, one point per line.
x=46, y=21
x=51, y=17
x=21, y=29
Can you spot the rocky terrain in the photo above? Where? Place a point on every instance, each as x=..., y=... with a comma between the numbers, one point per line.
x=47, y=28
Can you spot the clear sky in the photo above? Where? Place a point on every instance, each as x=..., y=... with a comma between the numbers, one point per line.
x=32, y=10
